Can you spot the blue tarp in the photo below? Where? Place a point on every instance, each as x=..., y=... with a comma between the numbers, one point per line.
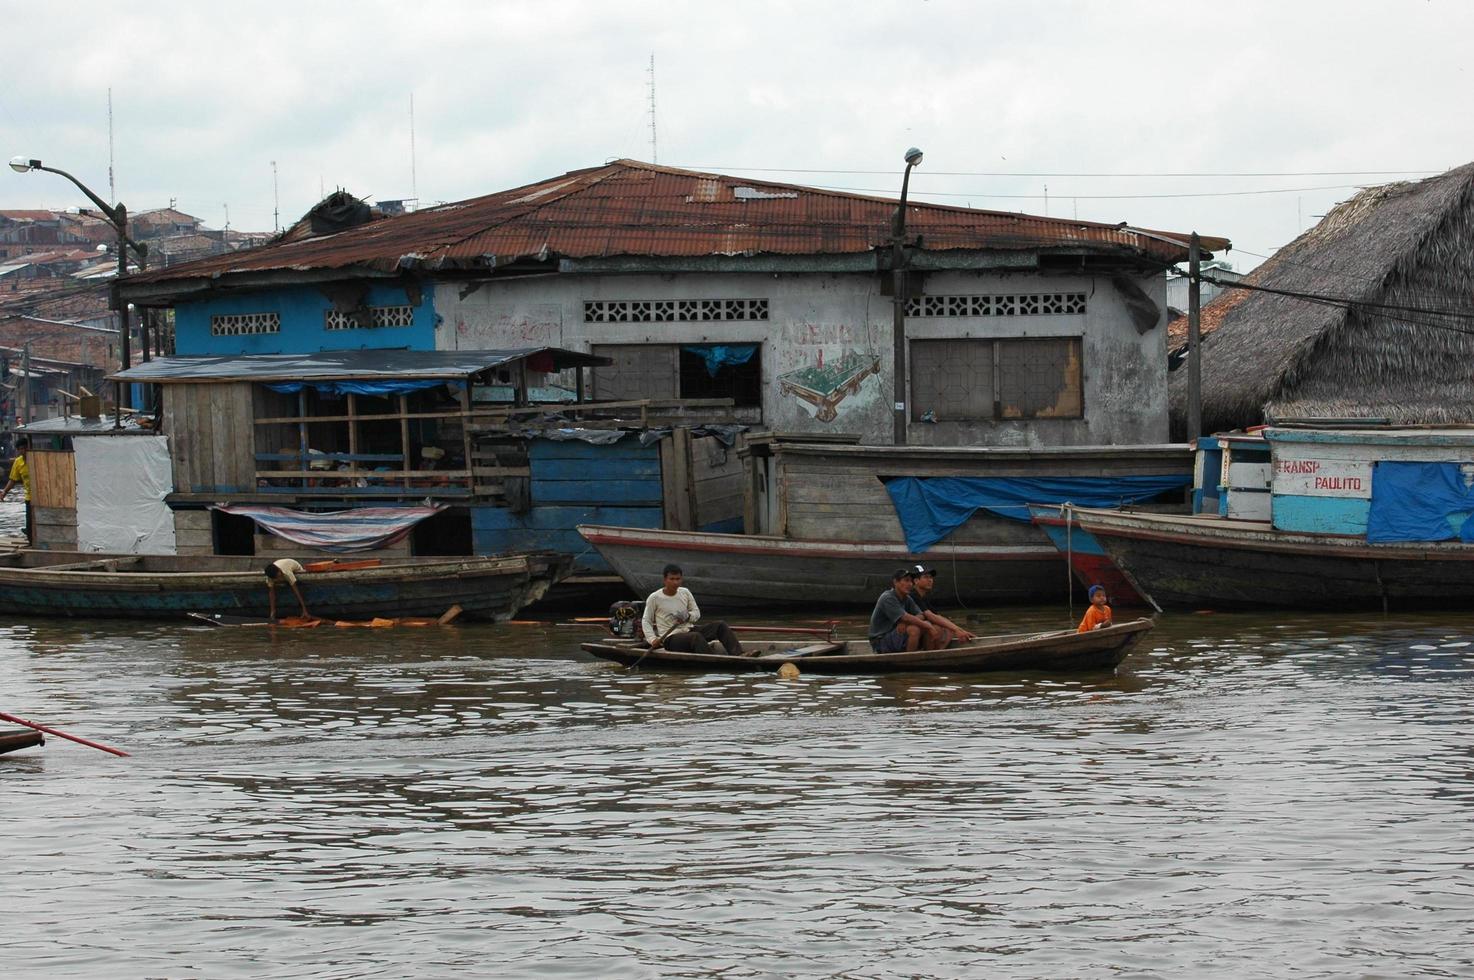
x=1420, y=502
x=718, y=356
x=336, y=389
x=930, y=508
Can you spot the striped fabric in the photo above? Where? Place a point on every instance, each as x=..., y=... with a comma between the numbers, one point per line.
x=358, y=529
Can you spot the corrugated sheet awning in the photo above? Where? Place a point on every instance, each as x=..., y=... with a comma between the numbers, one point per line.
x=345, y=365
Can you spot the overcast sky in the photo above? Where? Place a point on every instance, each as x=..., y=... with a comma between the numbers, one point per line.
x=207, y=95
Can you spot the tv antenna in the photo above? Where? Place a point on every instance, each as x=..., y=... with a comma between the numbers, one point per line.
x=112, y=187
x=275, y=201
x=414, y=190
x=654, y=147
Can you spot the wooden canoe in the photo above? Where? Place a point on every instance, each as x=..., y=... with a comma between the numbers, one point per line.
x=166, y=586
x=1061, y=650
x=21, y=738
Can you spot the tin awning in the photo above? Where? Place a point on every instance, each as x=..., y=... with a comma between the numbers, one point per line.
x=351, y=365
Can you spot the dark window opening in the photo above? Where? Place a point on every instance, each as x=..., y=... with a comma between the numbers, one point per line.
x=234, y=534
x=660, y=371
x=741, y=381
x=447, y=534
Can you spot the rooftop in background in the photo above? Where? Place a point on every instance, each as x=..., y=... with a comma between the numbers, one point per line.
x=345, y=365
x=633, y=209
x=76, y=425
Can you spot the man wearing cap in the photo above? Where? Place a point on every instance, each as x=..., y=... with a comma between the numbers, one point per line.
x=896, y=623
x=926, y=579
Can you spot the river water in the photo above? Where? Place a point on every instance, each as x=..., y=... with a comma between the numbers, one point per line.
x=1272, y=795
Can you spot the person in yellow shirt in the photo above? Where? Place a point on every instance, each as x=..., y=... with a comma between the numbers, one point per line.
x=21, y=473
x=1098, y=616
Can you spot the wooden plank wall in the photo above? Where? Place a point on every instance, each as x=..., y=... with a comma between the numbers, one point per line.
x=575, y=483
x=831, y=498
x=194, y=532
x=211, y=437
x=55, y=527
x=717, y=478
x=53, y=479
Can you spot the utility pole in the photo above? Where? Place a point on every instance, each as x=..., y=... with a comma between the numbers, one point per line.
x=25, y=369
x=898, y=303
x=1194, y=341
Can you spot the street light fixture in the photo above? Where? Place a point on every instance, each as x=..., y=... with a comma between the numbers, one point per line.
x=117, y=216
x=898, y=299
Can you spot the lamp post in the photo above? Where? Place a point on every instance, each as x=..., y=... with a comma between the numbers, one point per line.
x=898, y=299
x=117, y=216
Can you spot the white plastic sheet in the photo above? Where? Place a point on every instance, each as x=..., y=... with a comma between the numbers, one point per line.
x=121, y=485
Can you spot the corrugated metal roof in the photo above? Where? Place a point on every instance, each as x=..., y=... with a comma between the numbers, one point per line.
x=628, y=208
x=340, y=365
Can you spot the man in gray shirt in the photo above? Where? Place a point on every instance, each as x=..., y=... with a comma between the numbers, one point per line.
x=897, y=623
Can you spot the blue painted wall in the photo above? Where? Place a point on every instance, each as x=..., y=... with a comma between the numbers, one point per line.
x=1321, y=515
x=576, y=483
x=302, y=310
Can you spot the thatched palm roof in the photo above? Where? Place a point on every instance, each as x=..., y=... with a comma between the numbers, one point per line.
x=1408, y=244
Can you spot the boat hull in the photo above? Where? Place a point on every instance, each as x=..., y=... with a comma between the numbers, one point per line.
x=1059, y=651
x=1087, y=558
x=1216, y=563
x=484, y=588
x=736, y=571
x=12, y=741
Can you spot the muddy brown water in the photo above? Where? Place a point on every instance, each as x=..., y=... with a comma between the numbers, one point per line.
x=1267, y=794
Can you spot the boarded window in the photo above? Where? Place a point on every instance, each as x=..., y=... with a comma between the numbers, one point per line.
x=638, y=371
x=675, y=370
x=983, y=380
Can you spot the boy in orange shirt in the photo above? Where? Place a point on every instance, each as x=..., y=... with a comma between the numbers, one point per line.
x=1098, y=615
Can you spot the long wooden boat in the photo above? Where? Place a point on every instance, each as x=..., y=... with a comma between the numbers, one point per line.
x=157, y=586
x=1088, y=560
x=1061, y=650
x=22, y=738
x=762, y=571
x=1216, y=562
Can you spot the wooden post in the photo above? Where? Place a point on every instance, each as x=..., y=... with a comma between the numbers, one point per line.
x=578, y=384
x=1194, y=342
x=404, y=457
x=302, y=434
x=352, y=432
x=466, y=436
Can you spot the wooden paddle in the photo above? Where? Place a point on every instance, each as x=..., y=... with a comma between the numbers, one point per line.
x=60, y=734
x=657, y=643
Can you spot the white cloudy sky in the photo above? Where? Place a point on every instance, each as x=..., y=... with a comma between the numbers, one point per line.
x=207, y=95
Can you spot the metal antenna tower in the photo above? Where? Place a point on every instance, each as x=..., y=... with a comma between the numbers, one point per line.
x=414, y=189
x=654, y=146
x=275, y=200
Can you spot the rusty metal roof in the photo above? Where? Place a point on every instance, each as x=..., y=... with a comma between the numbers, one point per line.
x=629, y=208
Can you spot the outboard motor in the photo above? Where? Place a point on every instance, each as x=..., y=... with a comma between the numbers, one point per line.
x=624, y=619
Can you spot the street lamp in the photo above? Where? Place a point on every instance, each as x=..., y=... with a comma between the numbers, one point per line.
x=898, y=299
x=117, y=216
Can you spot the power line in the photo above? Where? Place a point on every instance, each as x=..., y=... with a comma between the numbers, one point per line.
x=1093, y=197
x=1389, y=311
x=1004, y=173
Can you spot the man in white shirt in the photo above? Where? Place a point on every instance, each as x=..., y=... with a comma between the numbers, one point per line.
x=284, y=569
x=670, y=615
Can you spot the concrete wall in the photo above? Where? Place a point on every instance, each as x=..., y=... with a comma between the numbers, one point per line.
x=820, y=318
x=302, y=310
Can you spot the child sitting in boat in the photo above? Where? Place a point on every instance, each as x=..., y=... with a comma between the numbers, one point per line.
x=1098, y=615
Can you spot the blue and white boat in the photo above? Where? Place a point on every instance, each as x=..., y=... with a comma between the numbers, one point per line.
x=1334, y=518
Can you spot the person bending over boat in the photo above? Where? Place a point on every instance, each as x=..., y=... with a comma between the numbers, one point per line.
x=670, y=615
x=1098, y=616
x=926, y=580
x=20, y=473
x=284, y=569
x=897, y=622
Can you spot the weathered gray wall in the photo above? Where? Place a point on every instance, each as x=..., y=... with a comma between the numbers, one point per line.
x=814, y=316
